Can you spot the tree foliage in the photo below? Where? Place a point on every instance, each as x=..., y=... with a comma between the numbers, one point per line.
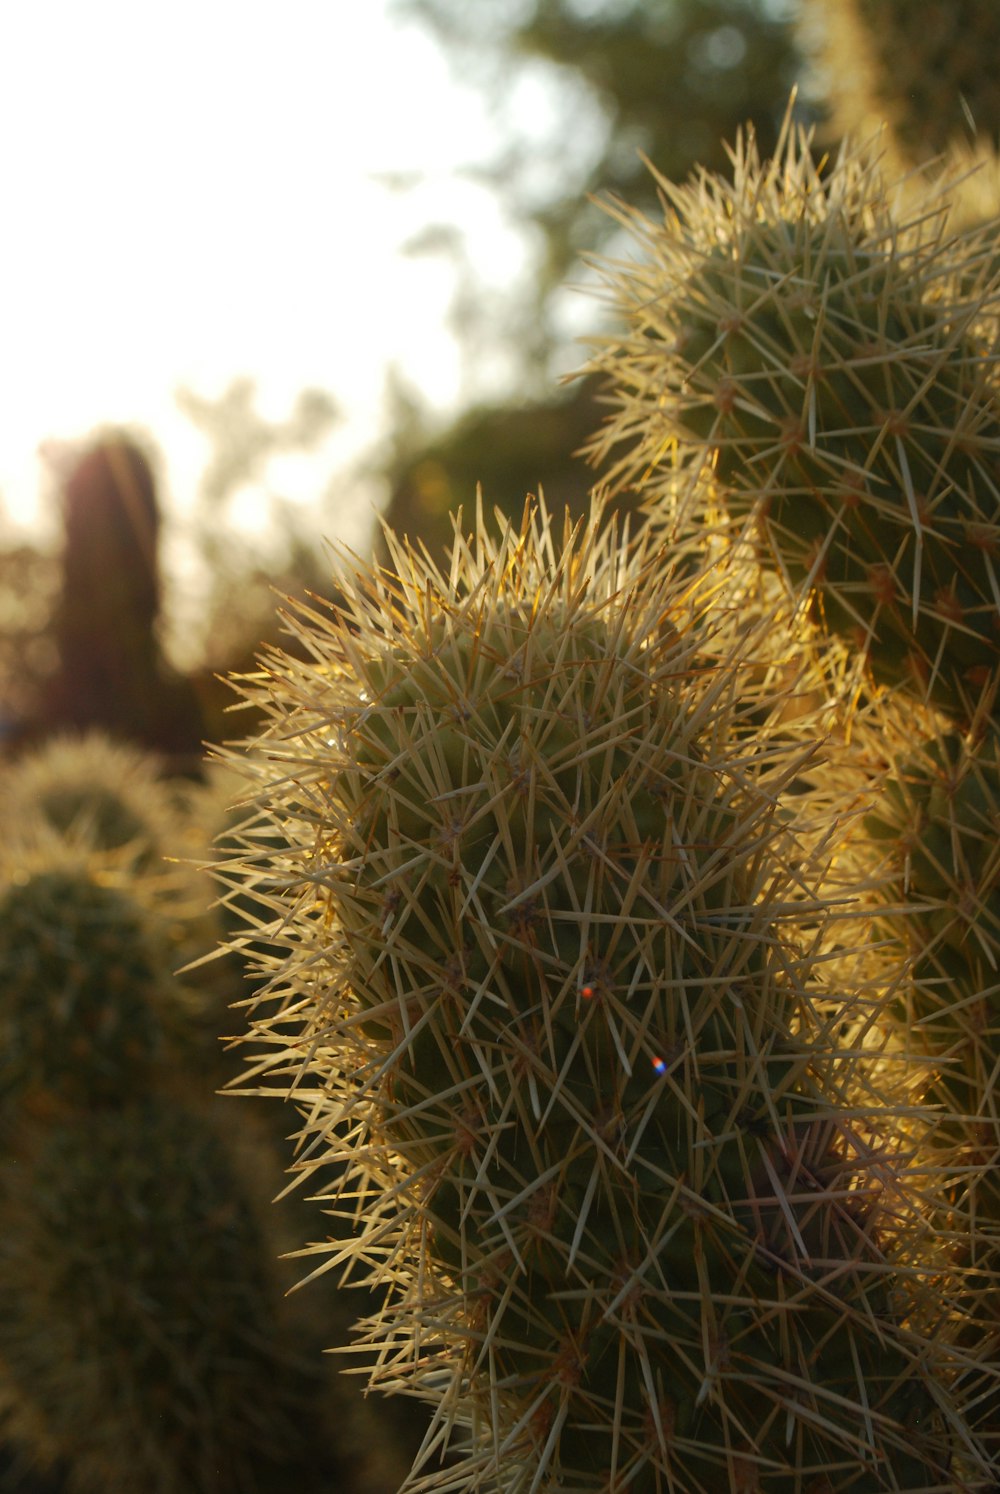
x=628, y=82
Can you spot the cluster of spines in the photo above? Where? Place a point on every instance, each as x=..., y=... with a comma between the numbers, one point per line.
x=464, y=977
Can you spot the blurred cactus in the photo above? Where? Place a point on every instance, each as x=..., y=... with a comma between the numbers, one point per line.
x=141, y=1344
x=111, y=673
x=93, y=790
x=87, y=998
x=102, y=904
x=138, y=1317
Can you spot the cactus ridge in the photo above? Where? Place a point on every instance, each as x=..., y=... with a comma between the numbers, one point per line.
x=540, y=934
x=827, y=364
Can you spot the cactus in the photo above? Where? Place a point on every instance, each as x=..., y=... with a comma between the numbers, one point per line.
x=88, y=1007
x=651, y=1055
x=936, y=820
x=138, y=1322
x=141, y=1347
x=825, y=363
x=93, y=790
x=542, y=991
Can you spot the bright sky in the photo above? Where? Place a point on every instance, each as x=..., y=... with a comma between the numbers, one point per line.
x=190, y=194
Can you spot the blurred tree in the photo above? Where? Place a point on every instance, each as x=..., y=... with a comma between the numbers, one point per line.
x=506, y=450
x=618, y=80
x=669, y=79
x=244, y=441
x=248, y=575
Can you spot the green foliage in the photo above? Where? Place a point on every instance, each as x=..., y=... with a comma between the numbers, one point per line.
x=503, y=450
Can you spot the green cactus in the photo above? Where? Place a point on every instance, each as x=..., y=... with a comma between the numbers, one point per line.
x=825, y=364
x=139, y=1328
x=542, y=993
x=87, y=1005
x=937, y=820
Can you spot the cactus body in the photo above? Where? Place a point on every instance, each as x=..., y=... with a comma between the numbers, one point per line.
x=85, y=1000
x=138, y=1324
x=938, y=818
x=534, y=900
x=95, y=791
x=824, y=360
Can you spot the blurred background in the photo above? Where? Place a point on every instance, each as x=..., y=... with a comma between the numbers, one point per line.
x=321, y=263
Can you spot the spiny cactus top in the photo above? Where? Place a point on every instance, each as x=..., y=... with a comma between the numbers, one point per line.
x=829, y=367
x=532, y=982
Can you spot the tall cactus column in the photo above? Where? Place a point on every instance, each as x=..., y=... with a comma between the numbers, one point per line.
x=926, y=68
x=542, y=996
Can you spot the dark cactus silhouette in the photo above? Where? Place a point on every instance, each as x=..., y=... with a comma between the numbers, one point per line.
x=111, y=672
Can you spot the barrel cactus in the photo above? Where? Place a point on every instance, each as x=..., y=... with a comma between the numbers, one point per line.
x=825, y=365
x=540, y=982
x=96, y=791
